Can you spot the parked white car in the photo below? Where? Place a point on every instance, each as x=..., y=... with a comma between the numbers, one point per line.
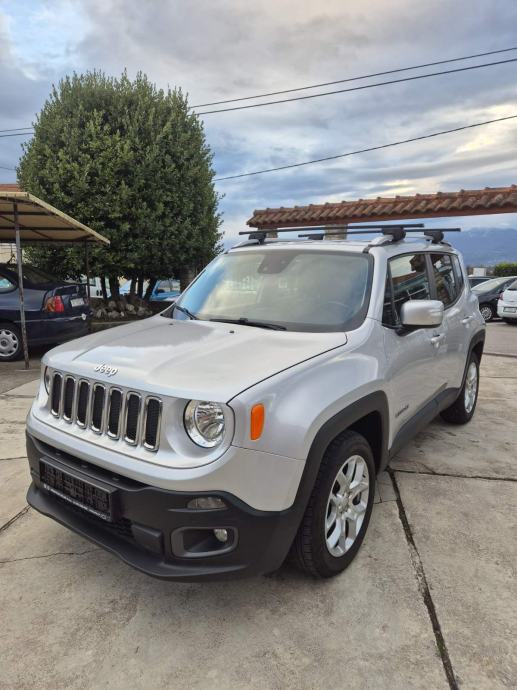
x=507, y=304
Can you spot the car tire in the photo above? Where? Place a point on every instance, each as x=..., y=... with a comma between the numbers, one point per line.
x=462, y=409
x=333, y=511
x=487, y=312
x=10, y=342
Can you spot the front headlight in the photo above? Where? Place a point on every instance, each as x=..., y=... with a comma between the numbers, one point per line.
x=204, y=423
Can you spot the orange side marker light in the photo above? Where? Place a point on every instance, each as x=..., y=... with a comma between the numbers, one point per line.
x=256, y=421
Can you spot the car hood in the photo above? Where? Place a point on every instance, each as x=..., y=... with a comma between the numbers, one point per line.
x=189, y=359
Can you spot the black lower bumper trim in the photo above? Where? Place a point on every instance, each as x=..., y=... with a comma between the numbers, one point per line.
x=147, y=517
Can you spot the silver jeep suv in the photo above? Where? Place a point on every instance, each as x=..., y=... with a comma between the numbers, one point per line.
x=248, y=421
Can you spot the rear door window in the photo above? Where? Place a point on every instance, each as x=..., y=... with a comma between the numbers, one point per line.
x=446, y=283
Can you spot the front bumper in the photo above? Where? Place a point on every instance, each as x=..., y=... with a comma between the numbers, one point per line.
x=149, y=525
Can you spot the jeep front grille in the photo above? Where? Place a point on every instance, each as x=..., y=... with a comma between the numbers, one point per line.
x=68, y=398
x=132, y=418
x=97, y=407
x=114, y=414
x=107, y=410
x=83, y=398
x=55, y=398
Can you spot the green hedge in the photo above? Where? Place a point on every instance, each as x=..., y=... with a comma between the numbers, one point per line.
x=506, y=268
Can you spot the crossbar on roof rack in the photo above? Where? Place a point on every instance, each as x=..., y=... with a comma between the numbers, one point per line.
x=396, y=231
x=333, y=228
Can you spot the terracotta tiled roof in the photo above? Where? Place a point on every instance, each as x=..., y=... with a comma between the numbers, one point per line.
x=10, y=188
x=438, y=205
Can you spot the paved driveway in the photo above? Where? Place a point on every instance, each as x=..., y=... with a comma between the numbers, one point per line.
x=501, y=337
x=430, y=602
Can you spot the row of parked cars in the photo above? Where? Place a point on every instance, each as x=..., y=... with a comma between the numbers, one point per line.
x=497, y=297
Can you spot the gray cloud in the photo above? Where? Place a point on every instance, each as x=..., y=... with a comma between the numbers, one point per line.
x=229, y=48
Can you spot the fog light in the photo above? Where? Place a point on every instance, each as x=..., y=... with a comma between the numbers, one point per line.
x=221, y=535
x=206, y=503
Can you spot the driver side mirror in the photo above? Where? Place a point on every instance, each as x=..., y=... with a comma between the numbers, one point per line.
x=421, y=313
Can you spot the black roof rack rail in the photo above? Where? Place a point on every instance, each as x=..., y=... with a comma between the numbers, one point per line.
x=355, y=229
x=435, y=235
x=391, y=233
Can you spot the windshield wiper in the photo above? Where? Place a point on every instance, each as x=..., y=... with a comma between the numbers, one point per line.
x=184, y=310
x=243, y=321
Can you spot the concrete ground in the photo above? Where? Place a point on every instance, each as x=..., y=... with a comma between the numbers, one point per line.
x=501, y=338
x=13, y=374
x=430, y=601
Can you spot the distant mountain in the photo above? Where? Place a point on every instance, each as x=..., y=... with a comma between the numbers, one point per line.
x=486, y=246
x=482, y=246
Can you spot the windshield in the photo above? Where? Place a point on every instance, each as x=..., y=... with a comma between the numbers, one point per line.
x=489, y=285
x=296, y=290
x=513, y=286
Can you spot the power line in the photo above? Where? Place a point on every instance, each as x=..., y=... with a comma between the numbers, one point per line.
x=371, y=148
x=15, y=129
x=18, y=134
x=356, y=88
x=2, y=167
x=349, y=79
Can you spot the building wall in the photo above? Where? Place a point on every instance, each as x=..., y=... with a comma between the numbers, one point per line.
x=6, y=251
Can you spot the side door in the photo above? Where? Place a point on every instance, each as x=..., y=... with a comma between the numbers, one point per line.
x=411, y=376
x=449, y=288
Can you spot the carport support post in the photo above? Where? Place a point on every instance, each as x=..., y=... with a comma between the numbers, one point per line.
x=87, y=270
x=20, y=285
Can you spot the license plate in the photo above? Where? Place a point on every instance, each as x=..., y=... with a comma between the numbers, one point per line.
x=89, y=496
x=77, y=302
x=511, y=310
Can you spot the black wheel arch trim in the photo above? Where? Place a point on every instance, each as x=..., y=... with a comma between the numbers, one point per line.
x=374, y=403
x=477, y=339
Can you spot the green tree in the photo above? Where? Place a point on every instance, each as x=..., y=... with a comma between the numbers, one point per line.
x=506, y=268
x=132, y=162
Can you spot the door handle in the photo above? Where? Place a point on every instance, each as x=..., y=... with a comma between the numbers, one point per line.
x=437, y=339
x=466, y=319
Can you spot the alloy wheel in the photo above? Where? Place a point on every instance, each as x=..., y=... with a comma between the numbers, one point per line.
x=346, y=506
x=471, y=387
x=8, y=343
x=486, y=313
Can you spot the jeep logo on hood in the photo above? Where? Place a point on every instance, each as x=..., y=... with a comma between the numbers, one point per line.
x=106, y=369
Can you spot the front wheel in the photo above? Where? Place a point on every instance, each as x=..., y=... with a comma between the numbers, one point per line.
x=10, y=342
x=487, y=312
x=339, y=509
x=462, y=409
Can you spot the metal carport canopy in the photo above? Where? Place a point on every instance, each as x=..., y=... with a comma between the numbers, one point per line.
x=25, y=218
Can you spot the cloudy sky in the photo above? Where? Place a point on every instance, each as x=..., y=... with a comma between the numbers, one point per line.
x=218, y=49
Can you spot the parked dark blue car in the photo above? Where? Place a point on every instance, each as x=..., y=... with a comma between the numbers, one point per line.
x=55, y=311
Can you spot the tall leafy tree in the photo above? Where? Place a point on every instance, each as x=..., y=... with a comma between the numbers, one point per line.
x=132, y=162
